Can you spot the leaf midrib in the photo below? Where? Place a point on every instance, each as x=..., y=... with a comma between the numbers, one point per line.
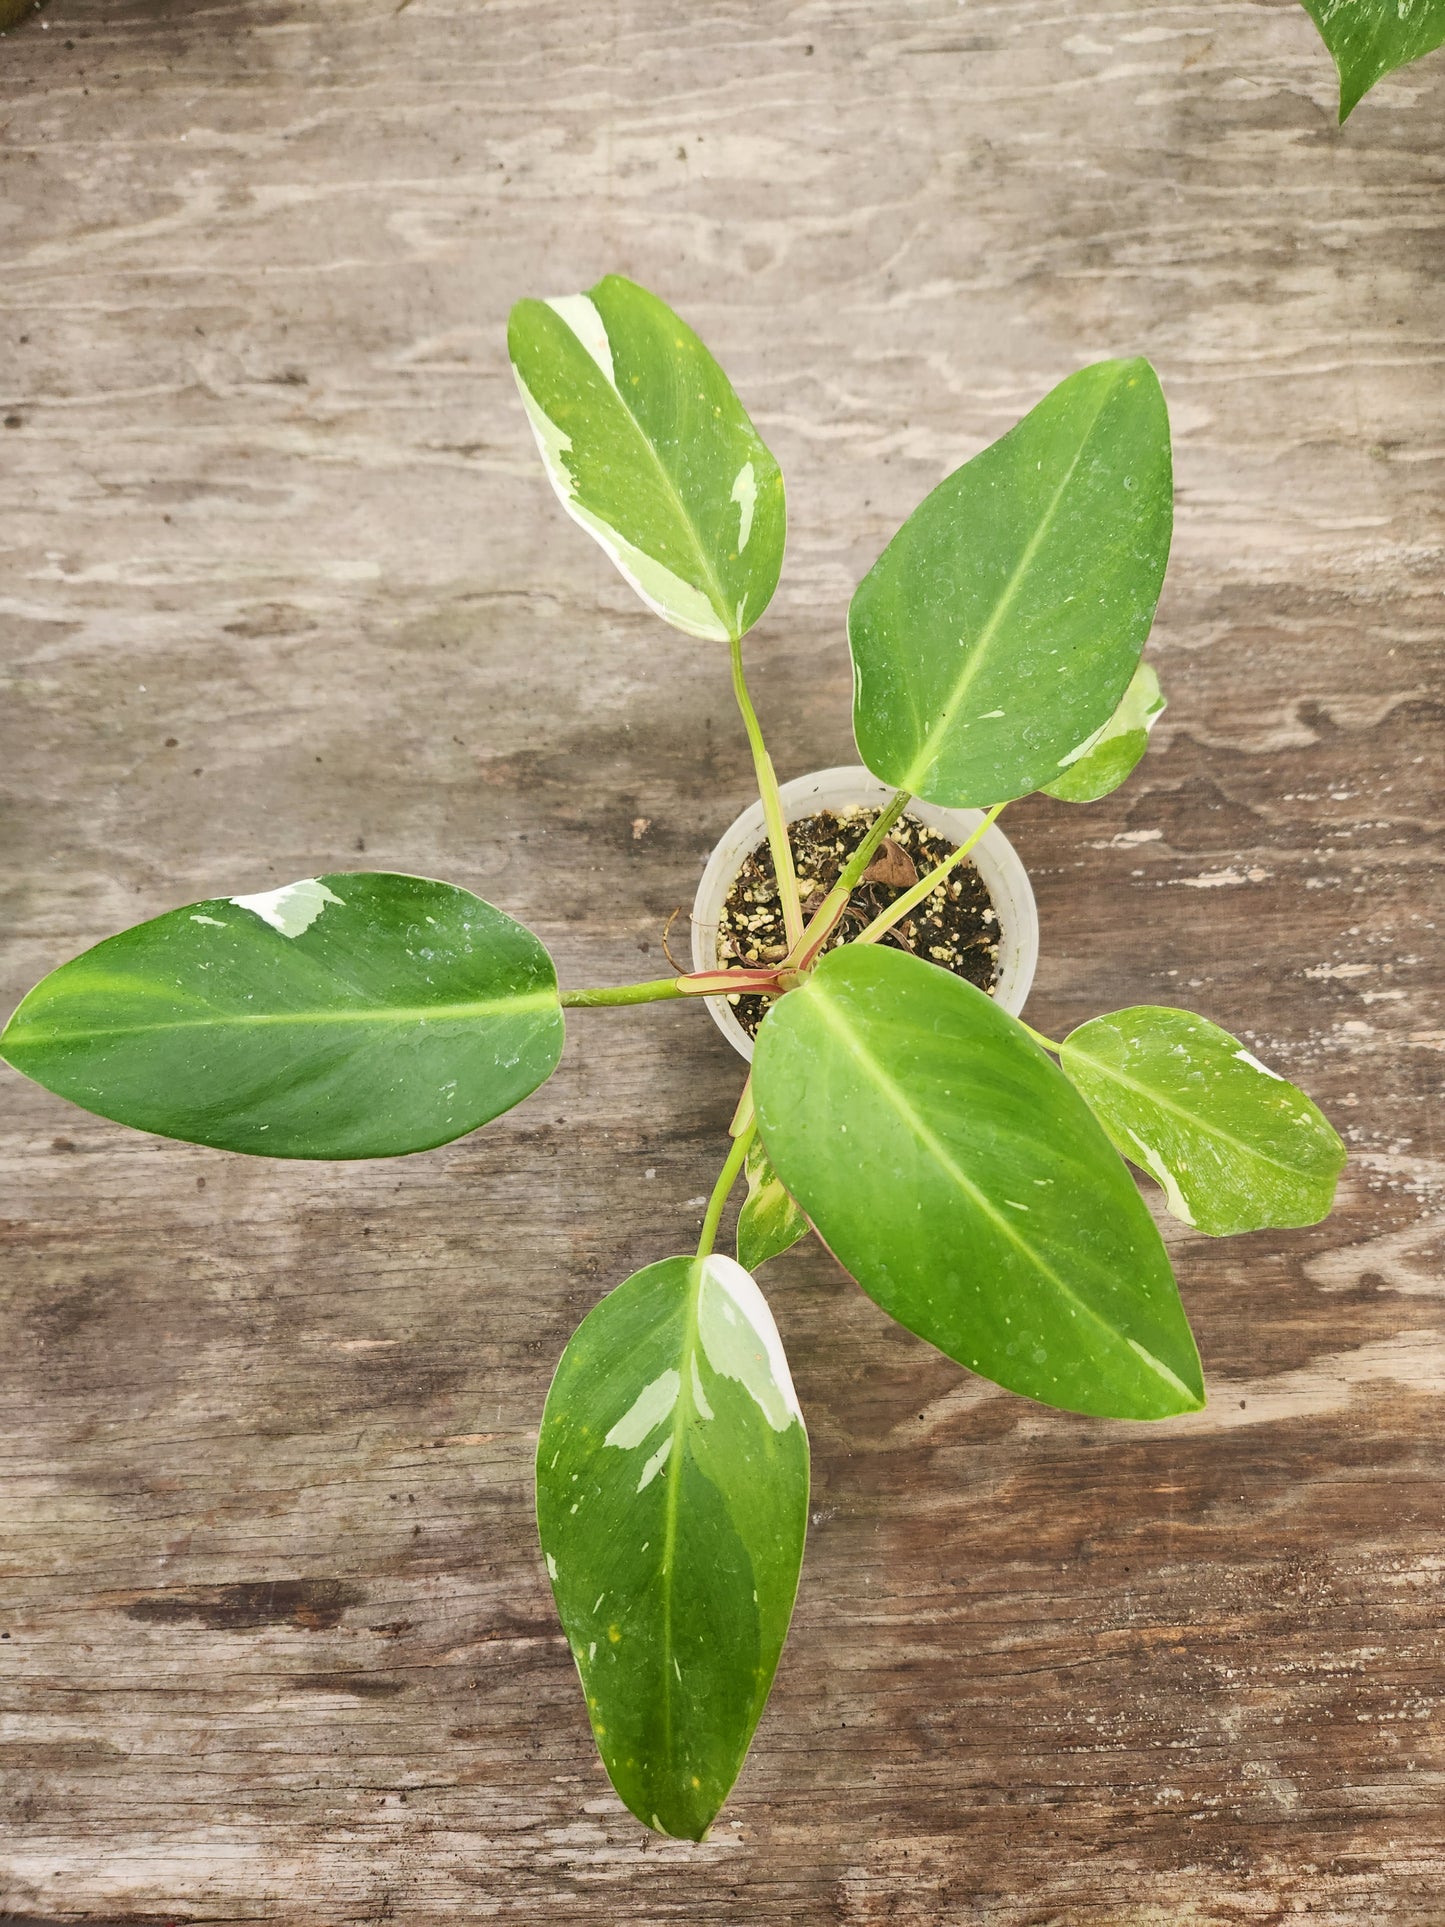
x=30, y=1035
x=928, y=753
x=682, y=1413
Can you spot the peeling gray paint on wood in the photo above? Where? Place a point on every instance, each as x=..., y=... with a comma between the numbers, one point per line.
x=282, y=588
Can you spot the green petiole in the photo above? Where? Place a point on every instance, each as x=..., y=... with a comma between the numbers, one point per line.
x=706, y=983
x=916, y=892
x=648, y=993
x=836, y=901
x=1045, y=1043
x=767, y=777
x=727, y=1178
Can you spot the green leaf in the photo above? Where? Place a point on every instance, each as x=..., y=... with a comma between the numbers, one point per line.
x=769, y=1221
x=348, y=1016
x=672, y=1502
x=652, y=453
x=1234, y=1146
x=1371, y=38
x=1103, y=761
x=1000, y=627
x=952, y=1168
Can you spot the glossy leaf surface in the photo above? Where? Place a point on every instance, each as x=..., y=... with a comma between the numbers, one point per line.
x=1103, y=762
x=347, y=1016
x=652, y=453
x=1233, y=1145
x=952, y=1168
x=672, y=1501
x=1000, y=627
x=770, y=1220
x=1371, y=38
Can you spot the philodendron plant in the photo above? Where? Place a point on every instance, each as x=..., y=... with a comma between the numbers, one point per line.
x=974, y=1187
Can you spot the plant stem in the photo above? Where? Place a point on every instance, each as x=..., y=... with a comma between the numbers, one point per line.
x=727, y=1178
x=767, y=777
x=836, y=901
x=1047, y=1042
x=705, y=983
x=648, y=993
x=914, y=895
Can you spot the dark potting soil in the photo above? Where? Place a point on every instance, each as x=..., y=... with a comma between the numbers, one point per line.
x=955, y=927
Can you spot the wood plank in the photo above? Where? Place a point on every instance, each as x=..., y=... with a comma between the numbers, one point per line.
x=284, y=590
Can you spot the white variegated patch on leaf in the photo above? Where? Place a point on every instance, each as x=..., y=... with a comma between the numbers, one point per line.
x=650, y=451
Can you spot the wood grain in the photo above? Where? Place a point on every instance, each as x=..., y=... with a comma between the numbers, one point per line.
x=283, y=589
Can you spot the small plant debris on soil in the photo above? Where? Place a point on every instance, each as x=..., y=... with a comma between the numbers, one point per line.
x=956, y=927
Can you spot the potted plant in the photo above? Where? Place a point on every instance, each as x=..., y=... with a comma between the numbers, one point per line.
x=975, y=1187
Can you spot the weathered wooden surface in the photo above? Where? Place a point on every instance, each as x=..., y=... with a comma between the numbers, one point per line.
x=283, y=590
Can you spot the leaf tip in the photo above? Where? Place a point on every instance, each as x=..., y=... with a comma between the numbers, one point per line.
x=1176, y=1395
x=1353, y=88
x=619, y=281
x=676, y=1825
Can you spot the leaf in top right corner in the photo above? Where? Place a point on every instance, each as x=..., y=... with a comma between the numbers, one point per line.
x=1235, y=1147
x=1371, y=38
x=1000, y=627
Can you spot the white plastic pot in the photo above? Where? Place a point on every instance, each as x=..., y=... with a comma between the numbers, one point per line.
x=848, y=788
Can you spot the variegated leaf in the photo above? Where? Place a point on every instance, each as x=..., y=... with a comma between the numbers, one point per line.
x=1234, y=1146
x=672, y=1501
x=1000, y=627
x=652, y=453
x=347, y=1016
x=770, y=1220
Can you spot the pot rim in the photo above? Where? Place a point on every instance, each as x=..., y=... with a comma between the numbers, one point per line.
x=845, y=787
